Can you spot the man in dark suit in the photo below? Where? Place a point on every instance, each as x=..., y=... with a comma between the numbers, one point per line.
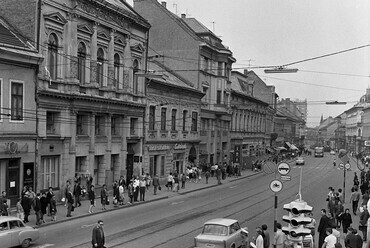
x=155, y=183
x=98, y=239
x=324, y=223
x=351, y=240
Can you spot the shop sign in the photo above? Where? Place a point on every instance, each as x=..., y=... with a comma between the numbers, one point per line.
x=179, y=147
x=158, y=148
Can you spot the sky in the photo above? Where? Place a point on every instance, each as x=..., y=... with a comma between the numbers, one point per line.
x=279, y=32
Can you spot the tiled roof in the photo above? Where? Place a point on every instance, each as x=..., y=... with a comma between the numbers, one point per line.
x=9, y=38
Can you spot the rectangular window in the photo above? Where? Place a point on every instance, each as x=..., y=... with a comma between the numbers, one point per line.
x=81, y=124
x=133, y=126
x=16, y=101
x=218, y=97
x=49, y=172
x=51, y=122
x=173, y=119
x=80, y=164
x=220, y=69
x=99, y=125
x=152, y=118
x=98, y=166
x=184, y=117
x=115, y=130
x=194, y=121
x=205, y=91
x=163, y=119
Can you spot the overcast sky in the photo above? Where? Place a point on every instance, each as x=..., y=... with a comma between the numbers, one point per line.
x=278, y=32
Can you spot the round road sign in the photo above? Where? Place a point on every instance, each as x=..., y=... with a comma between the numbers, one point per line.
x=276, y=185
x=347, y=166
x=341, y=165
x=269, y=167
x=283, y=168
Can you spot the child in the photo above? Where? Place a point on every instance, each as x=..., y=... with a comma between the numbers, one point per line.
x=20, y=211
x=92, y=198
x=53, y=208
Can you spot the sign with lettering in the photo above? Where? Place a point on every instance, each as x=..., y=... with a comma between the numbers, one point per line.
x=179, y=147
x=158, y=148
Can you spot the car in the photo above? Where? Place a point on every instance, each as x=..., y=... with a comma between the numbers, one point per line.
x=220, y=233
x=13, y=232
x=332, y=152
x=299, y=161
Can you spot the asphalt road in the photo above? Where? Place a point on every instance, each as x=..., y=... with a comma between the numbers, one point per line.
x=174, y=222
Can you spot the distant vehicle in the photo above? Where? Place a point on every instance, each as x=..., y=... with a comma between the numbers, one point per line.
x=220, y=233
x=299, y=161
x=13, y=232
x=319, y=152
x=332, y=152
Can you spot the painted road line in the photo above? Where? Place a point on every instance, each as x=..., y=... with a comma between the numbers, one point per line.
x=85, y=226
x=175, y=203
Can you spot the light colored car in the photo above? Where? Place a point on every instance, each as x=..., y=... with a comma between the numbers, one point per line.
x=299, y=161
x=13, y=232
x=220, y=233
x=332, y=152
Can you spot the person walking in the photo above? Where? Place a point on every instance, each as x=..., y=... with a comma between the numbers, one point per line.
x=116, y=194
x=26, y=204
x=364, y=216
x=104, y=197
x=351, y=240
x=20, y=211
x=330, y=240
x=121, y=191
x=266, y=236
x=279, y=237
x=49, y=195
x=355, y=198
x=136, y=185
x=37, y=208
x=131, y=191
x=183, y=180
x=176, y=184
x=323, y=224
x=98, y=238
x=91, y=198
x=155, y=183
x=44, y=206
x=259, y=239
x=207, y=176
x=346, y=219
x=142, y=188
x=169, y=182
x=77, y=193
x=69, y=202
x=53, y=208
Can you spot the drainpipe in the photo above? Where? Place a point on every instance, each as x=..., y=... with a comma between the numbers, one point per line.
x=37, y=128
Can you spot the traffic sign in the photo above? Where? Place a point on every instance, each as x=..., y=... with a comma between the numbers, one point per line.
x=341, y=165
x=347, y=166
x=269, y=167
x=285, y=178
x=276, y=185
x=283, y=168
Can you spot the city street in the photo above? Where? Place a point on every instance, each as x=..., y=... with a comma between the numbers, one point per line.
x=175, y=221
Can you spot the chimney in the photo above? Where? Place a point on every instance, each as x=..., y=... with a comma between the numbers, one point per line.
x=245, y=71
x=183, y=15
x=164, y=4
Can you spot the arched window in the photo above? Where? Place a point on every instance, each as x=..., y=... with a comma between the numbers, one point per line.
x=81, y=56
x=53, y=56
x=100, y=67
x=135, y=79
x=116, y=70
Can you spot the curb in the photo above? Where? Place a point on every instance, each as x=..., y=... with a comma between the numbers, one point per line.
x=138, y=203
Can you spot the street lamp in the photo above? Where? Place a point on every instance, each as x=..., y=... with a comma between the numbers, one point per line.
x=281, y=69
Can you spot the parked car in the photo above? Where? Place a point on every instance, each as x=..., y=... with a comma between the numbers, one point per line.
x=220, y=233
x=299, y=161
x=332, y=152
x=13, y=232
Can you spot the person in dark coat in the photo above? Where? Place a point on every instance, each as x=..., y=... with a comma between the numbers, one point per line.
x=91, y=198
x=103, y=196
x=37, y=208
x=26, y=205
x=98, y=239
x=44, y=205
x=116, y=197
x=155, y=183
x=364, y=216
x=351, y=239
x=49, y=195
x=324, y=223
x=77, y=193
x=346, y=219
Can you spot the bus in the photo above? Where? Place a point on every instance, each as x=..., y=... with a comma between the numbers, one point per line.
x=319, y=152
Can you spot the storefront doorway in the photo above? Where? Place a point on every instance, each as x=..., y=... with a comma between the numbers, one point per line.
x=12, y=181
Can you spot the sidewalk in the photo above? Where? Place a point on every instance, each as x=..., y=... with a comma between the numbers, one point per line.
x=82, y=211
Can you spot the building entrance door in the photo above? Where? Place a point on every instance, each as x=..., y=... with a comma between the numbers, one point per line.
x=12, y=182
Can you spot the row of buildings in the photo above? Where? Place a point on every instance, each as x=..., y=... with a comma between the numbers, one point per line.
x=98, y=88
x=349, y=130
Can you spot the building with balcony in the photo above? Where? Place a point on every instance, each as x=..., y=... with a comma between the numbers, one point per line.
x=190, y=49
x=172, y=134
x=90, y=94
x=19, y=64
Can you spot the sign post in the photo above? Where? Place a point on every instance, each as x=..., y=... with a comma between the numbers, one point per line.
x=344, y=157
